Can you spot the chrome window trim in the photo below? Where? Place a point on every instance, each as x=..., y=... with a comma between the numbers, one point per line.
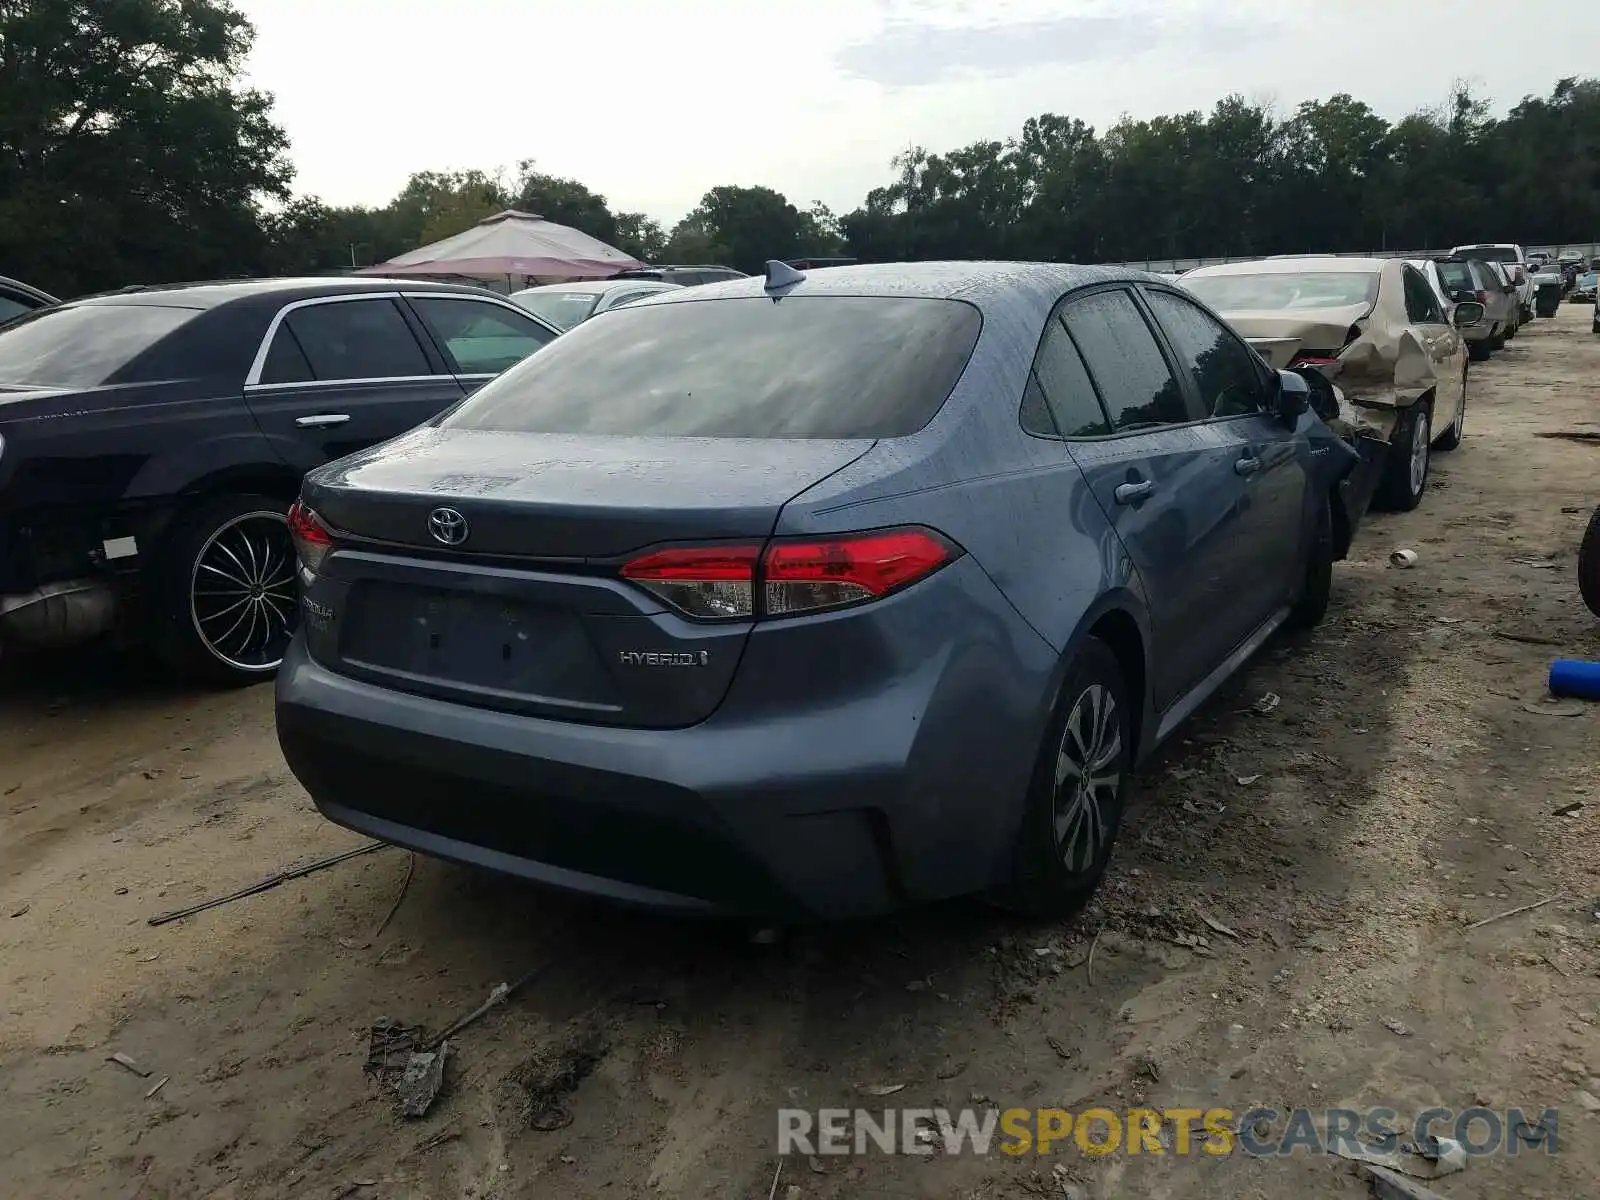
x=252, y=379
x=328, y=383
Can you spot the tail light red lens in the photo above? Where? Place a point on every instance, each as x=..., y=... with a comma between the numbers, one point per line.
x=312, y=541
x=793, y=575
x=702, y=581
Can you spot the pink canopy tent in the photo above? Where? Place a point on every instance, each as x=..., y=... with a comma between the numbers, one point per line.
x=512, y=243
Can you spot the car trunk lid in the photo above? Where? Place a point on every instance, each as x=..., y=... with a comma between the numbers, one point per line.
x=525, y=611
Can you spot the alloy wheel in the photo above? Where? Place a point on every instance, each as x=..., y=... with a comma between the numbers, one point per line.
x=242, y=592
x=1420, y=431
x=1088, y=777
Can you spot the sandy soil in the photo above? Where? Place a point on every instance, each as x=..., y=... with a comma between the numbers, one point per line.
x=1408, y=785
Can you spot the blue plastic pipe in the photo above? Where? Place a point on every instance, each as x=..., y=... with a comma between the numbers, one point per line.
x=1575, y=677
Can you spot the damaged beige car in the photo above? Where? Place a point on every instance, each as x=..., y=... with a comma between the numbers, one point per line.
x=1376, y=332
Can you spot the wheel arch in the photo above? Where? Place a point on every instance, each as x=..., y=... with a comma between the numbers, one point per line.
x=1119, y=621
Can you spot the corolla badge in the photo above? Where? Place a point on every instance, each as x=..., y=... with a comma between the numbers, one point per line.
x=447, y=526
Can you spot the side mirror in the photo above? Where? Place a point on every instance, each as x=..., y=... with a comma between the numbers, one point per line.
x=1468, y=312
x=1293, y=397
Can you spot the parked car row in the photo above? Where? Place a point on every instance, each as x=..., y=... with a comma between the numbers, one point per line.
x=810, y=594
x=1379, y=340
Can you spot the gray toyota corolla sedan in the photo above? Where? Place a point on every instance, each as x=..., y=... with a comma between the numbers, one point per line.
x=808, y=596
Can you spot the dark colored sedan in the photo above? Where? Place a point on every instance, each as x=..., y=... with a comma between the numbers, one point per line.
x=151, y=442
x=809, y=596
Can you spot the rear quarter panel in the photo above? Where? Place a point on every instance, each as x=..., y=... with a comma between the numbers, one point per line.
x=1044, y=563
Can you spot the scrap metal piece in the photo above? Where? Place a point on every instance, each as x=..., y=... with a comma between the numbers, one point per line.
x=420, y=1084
x=390, y=1048
x=126, y=1061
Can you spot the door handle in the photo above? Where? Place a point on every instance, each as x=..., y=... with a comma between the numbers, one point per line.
x=1132, y=493
x=1248, y=465
x=321, y=419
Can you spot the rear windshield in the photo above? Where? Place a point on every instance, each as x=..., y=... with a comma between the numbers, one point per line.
x=561, y=309
x=747, y=367
x=1457, y=277
x=1505, y=254
x=83, y=345
x=1276, y=291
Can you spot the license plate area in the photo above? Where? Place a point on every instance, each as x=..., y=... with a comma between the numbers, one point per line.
x=482, y=642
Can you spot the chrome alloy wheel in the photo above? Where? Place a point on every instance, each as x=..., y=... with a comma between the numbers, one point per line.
x=242, y=595
x=1087, y=777
x=1420, y=437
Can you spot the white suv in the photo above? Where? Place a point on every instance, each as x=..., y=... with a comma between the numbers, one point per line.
x=1515, y=261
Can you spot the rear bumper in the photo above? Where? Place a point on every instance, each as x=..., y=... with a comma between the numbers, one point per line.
x=841, y=807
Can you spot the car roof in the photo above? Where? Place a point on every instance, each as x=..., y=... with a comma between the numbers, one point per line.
x=598, y=286
x=215, y=293
x=1292, y=266
x=962, y=280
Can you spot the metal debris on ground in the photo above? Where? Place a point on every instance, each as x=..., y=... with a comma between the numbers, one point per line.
x=21, y=910
x=1403, y=559
x=396, y=1060
x=1391, y=1185
x=1397, y=1027
x=126, y=1061
x=390, y=1046
x=420, y=1082
x=497, y=996
x=1512, y=912
x=880, y=1089
x=1266, y=704
x=1566, y=810
x=160, y=1083
x=271, y=881
x=1446, y=1154
x=1247, y=780
x=1447, y=1157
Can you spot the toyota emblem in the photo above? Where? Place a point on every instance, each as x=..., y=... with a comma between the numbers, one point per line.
x=447, y=526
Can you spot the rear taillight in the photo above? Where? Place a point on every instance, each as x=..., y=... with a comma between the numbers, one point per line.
x=792, y=575
x=312, y=541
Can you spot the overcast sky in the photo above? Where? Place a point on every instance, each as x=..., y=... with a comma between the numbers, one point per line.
x=652, y=103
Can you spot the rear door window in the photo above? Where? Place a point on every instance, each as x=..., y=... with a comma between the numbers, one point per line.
x=1421, y=305
x=1226, y=372
x=480, y=338
x=83, y=345
x=1061, y=400
x=357, y=339
x=1126, y=363
x=745, y=367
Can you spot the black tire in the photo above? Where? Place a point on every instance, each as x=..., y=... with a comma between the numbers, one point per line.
x=1594, y=325
x=1589, y=565
x=1398, y=489
x=1317, y=588
x=1450, y=439
x=225, y=555
x=1480, y=351
x=1043, y=882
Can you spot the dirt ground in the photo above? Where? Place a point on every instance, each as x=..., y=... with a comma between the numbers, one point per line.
x=1407, y=785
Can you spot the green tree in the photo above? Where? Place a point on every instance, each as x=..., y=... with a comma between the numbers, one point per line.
x=640, y=236
x=749, y=225
x=128, y=149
